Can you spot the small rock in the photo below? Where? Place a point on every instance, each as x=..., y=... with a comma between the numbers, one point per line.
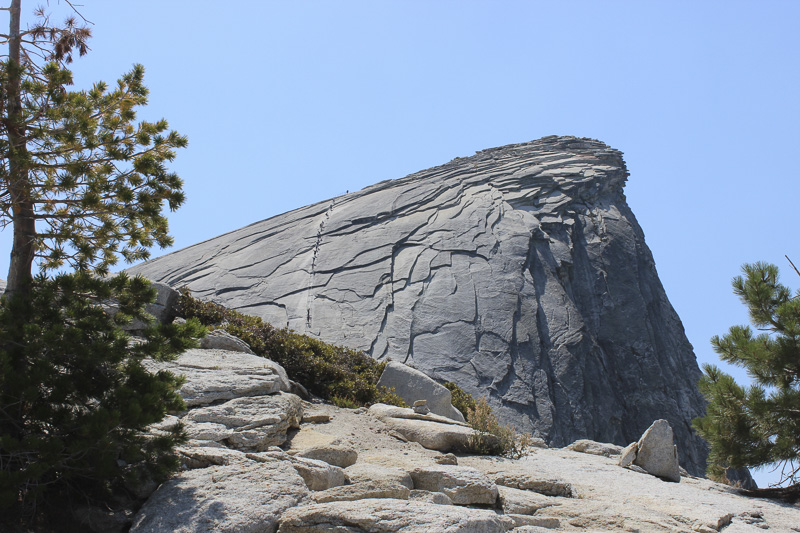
x=595, y=448
x=447, y=459
x=340, y=456
x=316, y=418
x=420, y=407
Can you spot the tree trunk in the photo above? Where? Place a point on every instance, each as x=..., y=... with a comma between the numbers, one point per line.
x=23, y=248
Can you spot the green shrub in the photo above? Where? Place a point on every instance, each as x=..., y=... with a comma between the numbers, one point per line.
x=330, y=372
x=492, y=438
x=74, y=395
x=461, y=399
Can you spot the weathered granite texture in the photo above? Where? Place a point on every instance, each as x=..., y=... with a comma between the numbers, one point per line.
x=519, y=273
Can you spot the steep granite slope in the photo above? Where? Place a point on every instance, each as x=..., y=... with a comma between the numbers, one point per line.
x=520, y=273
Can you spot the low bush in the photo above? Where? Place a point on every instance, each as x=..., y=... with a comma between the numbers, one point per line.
x=461, y=399
x=341, y=375
x=75, y=397
x=493, y=438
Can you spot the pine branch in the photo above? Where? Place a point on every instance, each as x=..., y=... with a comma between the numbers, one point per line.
x=790, y=262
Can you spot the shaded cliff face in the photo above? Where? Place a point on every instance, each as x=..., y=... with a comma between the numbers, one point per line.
x=520, y=273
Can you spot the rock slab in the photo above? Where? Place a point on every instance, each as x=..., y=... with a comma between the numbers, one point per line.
x=519, y=273
x=462, y=484
x=237, y=498
x=389, y=516
x=249, y=423
x=213, y=375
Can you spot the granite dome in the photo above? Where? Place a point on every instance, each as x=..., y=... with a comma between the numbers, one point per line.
x=520, y=273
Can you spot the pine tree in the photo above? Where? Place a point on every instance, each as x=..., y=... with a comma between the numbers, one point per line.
x=760, y=424
x=80, y=181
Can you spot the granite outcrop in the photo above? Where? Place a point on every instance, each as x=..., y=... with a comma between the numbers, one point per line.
x=519, y=273
x=349, y=470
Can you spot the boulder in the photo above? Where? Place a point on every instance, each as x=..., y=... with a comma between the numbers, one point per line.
x=164, y=309
x=389, y=515
x=237, y=498
x=519, y=273
x=412, y=385
x=214, y=375
x=103, y=520
x=219, y=339
x=595, y=448
x=383, y=411
x=432, y=435
x=370, y=472
x=251, y=423
x=656, y=452
x=341, y=456
x=362, y=491
x=462, y=484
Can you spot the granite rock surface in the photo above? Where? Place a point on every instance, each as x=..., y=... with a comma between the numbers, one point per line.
x=519, y=273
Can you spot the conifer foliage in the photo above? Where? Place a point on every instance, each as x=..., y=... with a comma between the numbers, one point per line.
x=74, y=394
x=760, y=424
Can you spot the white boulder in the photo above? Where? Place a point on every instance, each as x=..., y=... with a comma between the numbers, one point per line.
x=412, y=385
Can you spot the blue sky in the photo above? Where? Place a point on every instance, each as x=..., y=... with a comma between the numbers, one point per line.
x=289, y=103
